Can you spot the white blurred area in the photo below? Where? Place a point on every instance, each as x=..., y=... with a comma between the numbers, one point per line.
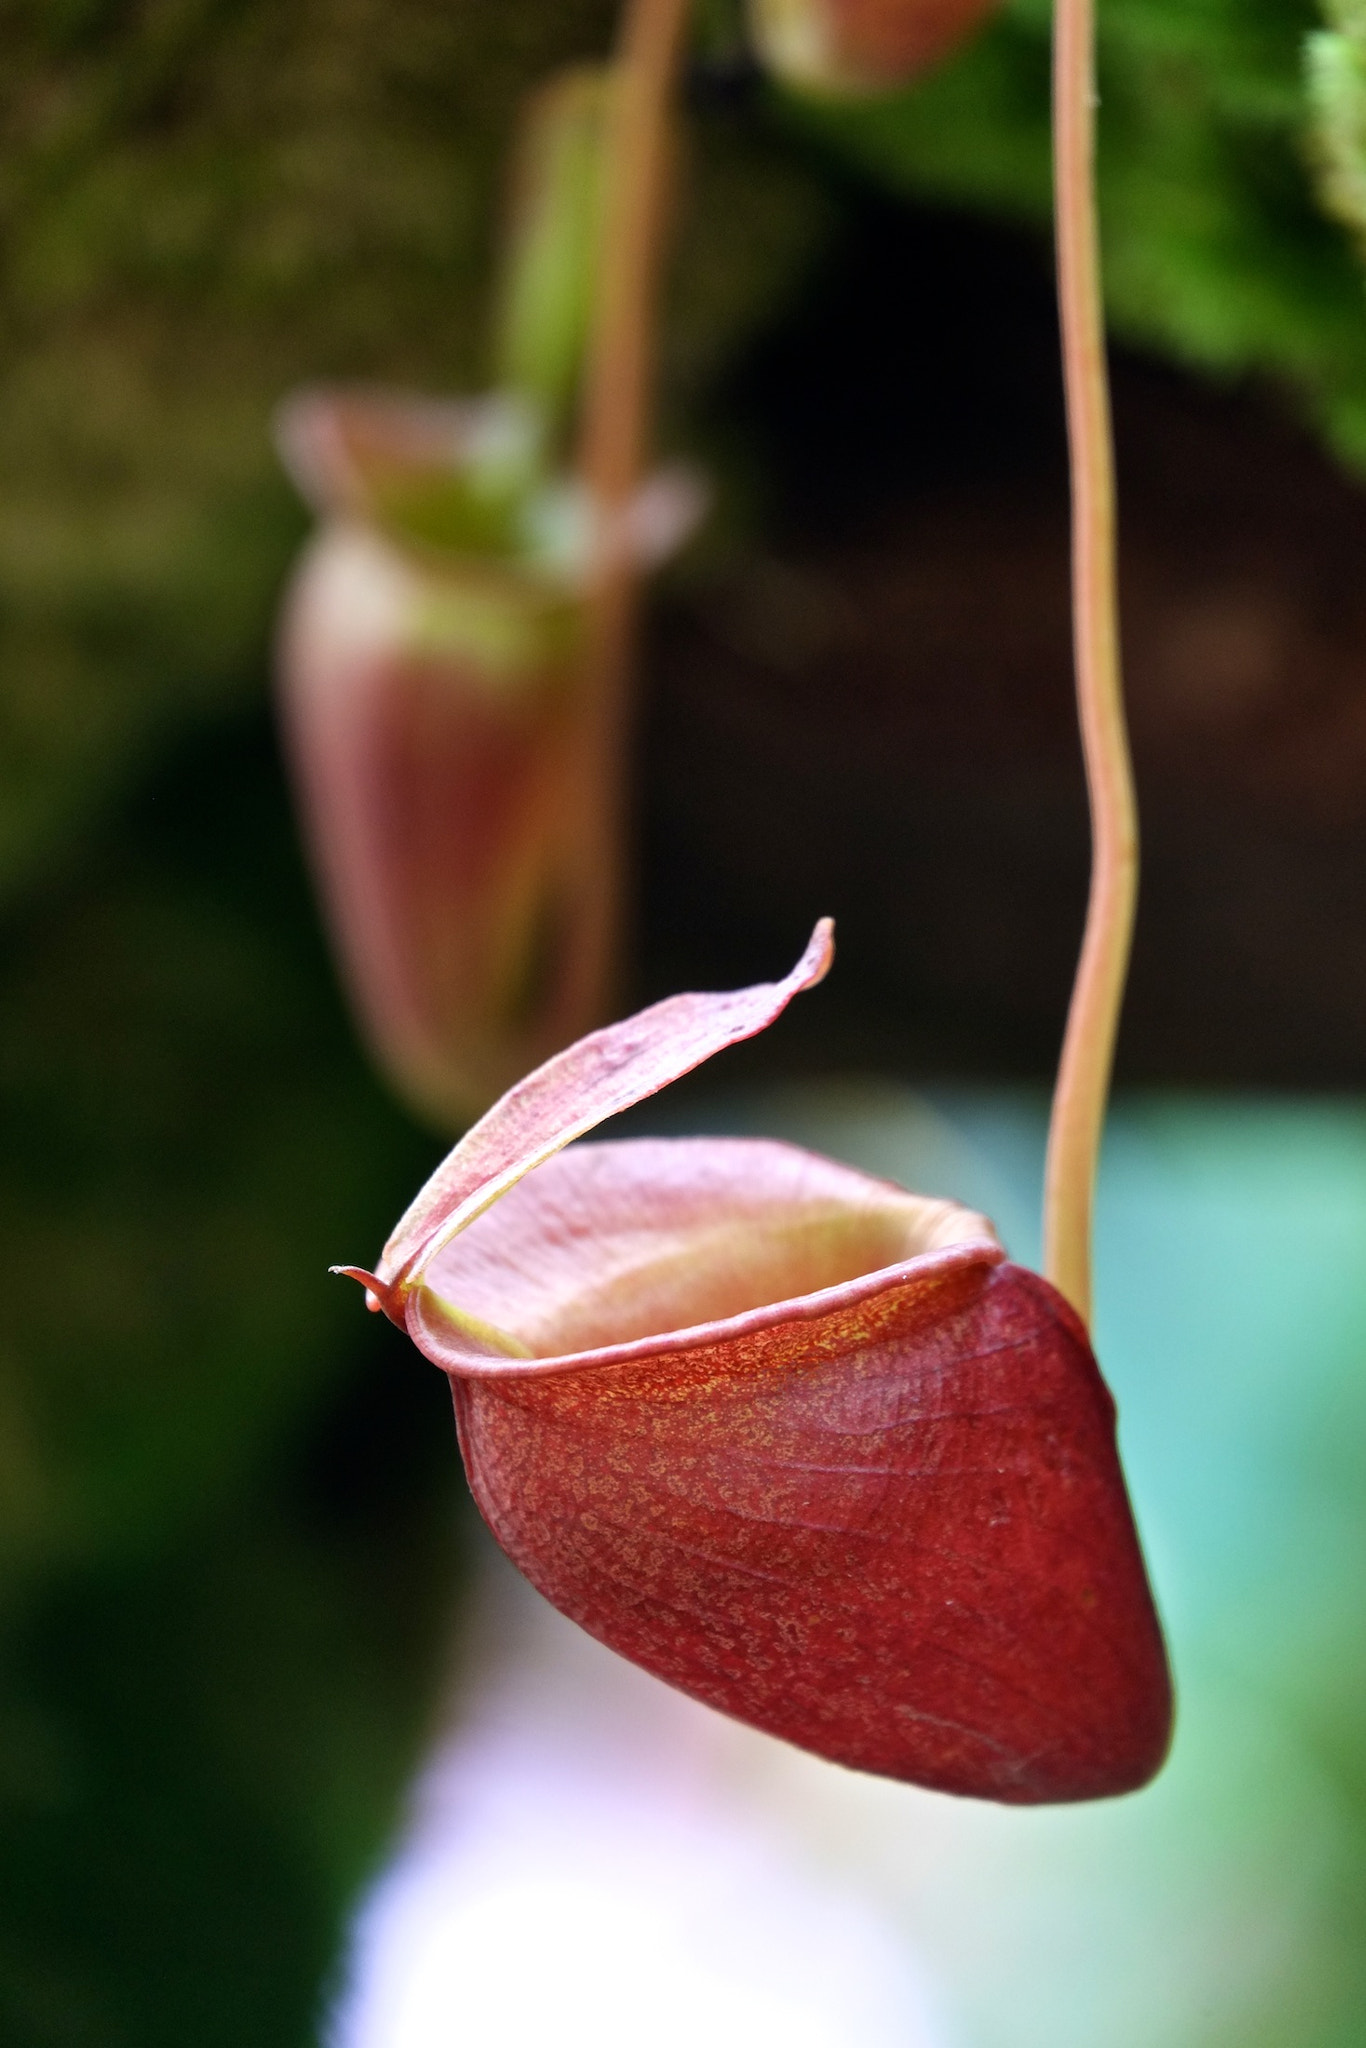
x=587, y=1866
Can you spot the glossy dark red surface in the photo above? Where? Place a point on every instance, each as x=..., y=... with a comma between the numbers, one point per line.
x=897, y=1535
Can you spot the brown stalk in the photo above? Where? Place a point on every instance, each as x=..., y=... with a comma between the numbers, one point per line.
x=617, y=396
x=1088, y=1046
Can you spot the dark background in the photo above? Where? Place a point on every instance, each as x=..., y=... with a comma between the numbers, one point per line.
x=230, y=1509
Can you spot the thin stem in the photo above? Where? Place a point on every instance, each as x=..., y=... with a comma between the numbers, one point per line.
x=616, y=404
x=622, y=342
x=1088, y=1045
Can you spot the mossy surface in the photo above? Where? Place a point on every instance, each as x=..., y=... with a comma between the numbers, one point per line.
x=202, y=206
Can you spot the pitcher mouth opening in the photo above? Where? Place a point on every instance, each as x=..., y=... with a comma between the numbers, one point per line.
x=633, y=1242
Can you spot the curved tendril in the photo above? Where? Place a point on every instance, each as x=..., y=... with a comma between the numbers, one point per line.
x=1088, y=1046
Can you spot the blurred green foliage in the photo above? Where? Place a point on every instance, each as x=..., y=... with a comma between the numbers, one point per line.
x=1336, y=61
x=205, y=202
x=202, y=204
x=1215, y=250
x=554, y=229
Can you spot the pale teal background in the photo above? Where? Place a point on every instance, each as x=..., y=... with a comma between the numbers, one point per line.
x=1227, y=1904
